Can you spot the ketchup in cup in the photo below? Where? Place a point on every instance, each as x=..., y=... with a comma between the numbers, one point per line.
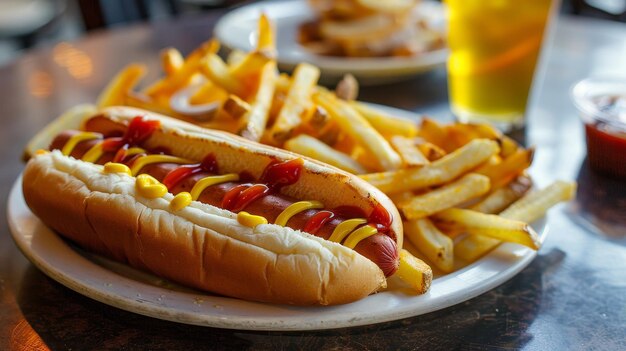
x=602, y=105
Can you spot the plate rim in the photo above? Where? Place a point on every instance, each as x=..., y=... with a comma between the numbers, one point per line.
x=295, y=319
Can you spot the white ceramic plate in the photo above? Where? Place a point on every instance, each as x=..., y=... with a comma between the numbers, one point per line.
x=123, y=287
x=237, y=29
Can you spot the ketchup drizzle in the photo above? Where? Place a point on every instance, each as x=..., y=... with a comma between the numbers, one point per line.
x=316, y=222
x=139, y=130
x=279, y=174
x=178, y=174
x=246, y=196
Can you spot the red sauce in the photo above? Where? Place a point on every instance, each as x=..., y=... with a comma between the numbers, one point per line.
x=316, y=222
x=178, y=174
x=606, y=150
x=139, y=130
x=380, y=218
x=246, y=196
x=230, y=198
x=279, y=174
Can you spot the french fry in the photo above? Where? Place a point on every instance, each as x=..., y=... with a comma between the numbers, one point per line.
x=266, y=42
x=433, y=132
x=436, y=173
x=414, y=272
x=124, y=82
x=354, y=124
x=144, y=102
x=459, y=134
x=497, y=200
x=314, y=148
x=534, y=205
x=410, y=154
x=217, y=71
x=185, y=74
x=466, y=188
x=401, y=197
x=297, y=102
x=435, y=245
x=234, y=57
x=249, y=70
x=473, y=247
x=508, y=146
x=491, y=225
x=502, y=197
x=171, y=61
x=253, y=123
x=207, y=93
x=510, y=167
x=431, y=151
x=233, y=108
x=348, y=88
x=384, y=123
x=527, y=209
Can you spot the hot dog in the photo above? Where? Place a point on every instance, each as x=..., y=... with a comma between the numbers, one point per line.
x=238, y=182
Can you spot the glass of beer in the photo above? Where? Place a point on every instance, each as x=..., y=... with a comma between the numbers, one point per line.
x=494, y=45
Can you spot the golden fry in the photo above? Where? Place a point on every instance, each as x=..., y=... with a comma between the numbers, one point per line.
x=233, y=108
x=527, y=209
x=501, y=198
x=414, y=272
x=217, y=71
x=207, y=93
x=410, y=154
x=297, y=102
x=361, y=131
x=466, y=188
x=235, y=57
x=491, y=225
x=185, y=74
x=435, y=245
x=433, y=132
x=171, y=60
x=312, y=147
x=431, y=151
x=267, y=39
x=436, y=173
x=253, y=123
x=534, y=205
x=384, y=123
x=348, y=88
x=123, y=83
x=510, y=167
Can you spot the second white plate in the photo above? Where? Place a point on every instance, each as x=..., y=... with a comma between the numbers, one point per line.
x=237, y=30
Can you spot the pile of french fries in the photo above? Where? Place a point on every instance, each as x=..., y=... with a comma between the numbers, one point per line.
x=461, y=188
x=368, y=28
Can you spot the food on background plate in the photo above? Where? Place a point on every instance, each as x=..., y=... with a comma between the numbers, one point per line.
x=217, y=212
x=421, y=166
x=368, y=28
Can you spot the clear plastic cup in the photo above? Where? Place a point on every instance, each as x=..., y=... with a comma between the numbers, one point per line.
x=602, y=107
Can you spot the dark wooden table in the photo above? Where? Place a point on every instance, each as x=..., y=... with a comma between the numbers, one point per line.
x=572, y=296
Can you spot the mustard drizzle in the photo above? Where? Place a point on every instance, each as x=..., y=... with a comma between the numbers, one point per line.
x=70, y=145
x=294, y=209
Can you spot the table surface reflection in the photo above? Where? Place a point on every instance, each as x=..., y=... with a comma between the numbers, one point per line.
x=572, y=296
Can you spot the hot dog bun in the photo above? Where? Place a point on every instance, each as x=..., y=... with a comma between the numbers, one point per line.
x=203, y=246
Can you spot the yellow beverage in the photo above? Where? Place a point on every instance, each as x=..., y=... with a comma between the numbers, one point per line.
x=494, y=46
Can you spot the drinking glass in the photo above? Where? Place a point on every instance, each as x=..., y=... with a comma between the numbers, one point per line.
x=494, y=46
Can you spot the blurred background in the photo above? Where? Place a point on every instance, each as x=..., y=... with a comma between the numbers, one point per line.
x=31, y=23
